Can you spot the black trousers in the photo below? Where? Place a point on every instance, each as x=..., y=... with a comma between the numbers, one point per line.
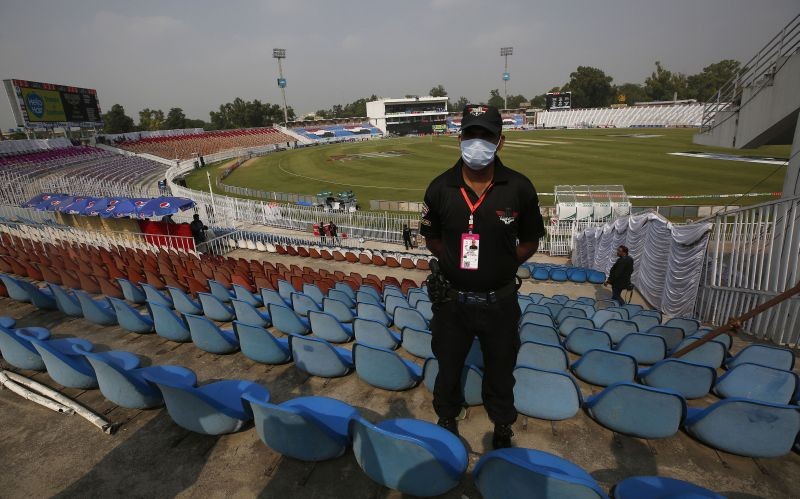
x=616, y=294
x=454, y=326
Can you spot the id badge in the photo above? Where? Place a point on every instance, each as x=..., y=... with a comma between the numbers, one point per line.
x=469, y=251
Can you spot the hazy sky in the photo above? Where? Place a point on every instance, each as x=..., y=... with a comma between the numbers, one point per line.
x=197, y=54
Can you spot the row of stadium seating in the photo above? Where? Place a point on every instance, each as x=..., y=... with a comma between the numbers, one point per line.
x=688, y=115
x=644, y=411
x=340, y=131
x=411, y=456
x=187, y=146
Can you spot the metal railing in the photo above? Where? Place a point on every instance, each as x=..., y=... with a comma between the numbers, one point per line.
x=752, y=256
x=757, y=72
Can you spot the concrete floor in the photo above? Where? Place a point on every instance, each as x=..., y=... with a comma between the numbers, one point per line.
x=48, y=454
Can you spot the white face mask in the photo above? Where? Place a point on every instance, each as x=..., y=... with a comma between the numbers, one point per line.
x=477, y=153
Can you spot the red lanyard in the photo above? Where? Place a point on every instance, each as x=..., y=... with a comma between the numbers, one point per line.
x=474, y=207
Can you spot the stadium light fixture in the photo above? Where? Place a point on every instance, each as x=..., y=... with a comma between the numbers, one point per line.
x=505, y=52
x=281, y=54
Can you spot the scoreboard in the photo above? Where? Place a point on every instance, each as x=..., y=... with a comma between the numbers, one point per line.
x=559, y=100
x=41, y=105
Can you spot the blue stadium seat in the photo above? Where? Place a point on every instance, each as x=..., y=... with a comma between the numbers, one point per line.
x=554, y=308
x=623, y=312
x=132, y=292
x=602, y=316
x=535, y=307
x=689, y=379
x=543, y=356
x=408, y=317
x=338, y=309
x=346, y=289
x=369, y=290
x=541, y=274
x=286, y=321
x=285, y=290
x=526, y=473
x=658, y=487
x=326, y=326
x=247, y=313
x=336, y=294
x=765, y=355
x=638, y=410
x=651, y=313
x=589, y=310
x=561, y=299
x=725, y=339
x=184, y=303
x=688, y=325
x=645, y=348
x=711, y=354
x=313, y=292
x=219, y=290
x=374, y=333
x=672, y=335
x=416, y=296
x=537, y=318
x=214, y=308
x=544, y=394
x=605, y=367
x=385, y=369
x=168, y=324
x=374, y=313
x=746, y=427
x=66, y=301
x=212, y=409
x=417, y=342
x=425, y=308
x=412, y=456
x=595, y=277
x=582, y=339
x=471, y=380
x=645, y=322
x=570, y=312
x=244, y=294
x=304, y=428
x=14, y=288
x=259, y=345
x=523, y=301
x=155, y=296
x=393, y=301
x=618, y=329
x=209, y=337
x=632, y=309
x=572, y=323
x=587, y=300
x=539, y=333
x=122, y=381
x=319, y=358
x=131, y=319
x=7, y=322
x=756, y=382
x=303, y=304
x=558, y=274
x=271, y=296
x=17, y=349
x=371, y=297
x=64, y=364
x=97, y=311
x=577, y=275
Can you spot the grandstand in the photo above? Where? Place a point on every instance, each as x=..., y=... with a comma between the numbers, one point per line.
x=174, y=146
x=337, y=132
x=408, y=116
x=644, y=116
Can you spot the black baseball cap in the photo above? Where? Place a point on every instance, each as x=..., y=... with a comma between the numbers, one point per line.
x=487, y=117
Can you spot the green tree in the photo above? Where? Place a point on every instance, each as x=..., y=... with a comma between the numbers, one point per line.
x=175, y=119
x=151, y=119
x=459, y=104
x=514, y=101
x=540, y=101
x=704, y=85
x=116, y=121
x=247, y=114
x=438, y=91
x=495, y=99
x=663, y=84
x=632, y=93
x=590, y=87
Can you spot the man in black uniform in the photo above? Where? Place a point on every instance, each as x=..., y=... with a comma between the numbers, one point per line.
x=407, y=236
x=620, y=274
x=481, y=220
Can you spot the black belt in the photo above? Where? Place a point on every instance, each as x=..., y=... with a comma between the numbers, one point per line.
x=482, y=297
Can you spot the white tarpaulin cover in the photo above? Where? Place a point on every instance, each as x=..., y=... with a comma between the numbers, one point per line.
x=668, y=259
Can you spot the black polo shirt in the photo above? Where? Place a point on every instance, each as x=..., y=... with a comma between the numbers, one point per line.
x=509, y=212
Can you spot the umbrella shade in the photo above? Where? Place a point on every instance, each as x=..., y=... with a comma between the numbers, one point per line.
x=119, y=207
x=94, y=208
x=39, y=199
x=55, y=202
x=77, y=206
x=164, y=205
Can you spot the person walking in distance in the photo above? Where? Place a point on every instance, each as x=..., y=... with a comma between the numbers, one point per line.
x=481, y=220
x=407, y=236
x=620, y=274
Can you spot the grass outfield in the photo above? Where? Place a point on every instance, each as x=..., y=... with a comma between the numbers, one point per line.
x=549, y=158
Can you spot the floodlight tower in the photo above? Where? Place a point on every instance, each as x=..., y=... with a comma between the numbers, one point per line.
x=505, y=52
x=281, y=54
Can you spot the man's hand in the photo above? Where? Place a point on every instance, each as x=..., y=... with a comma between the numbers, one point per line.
x=606, y=283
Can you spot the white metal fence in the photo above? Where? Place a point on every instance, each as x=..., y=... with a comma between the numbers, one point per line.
x=753, y=256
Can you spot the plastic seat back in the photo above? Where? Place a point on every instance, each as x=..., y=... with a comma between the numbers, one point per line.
x=756, y=382
x=605, y=367
x=303, y=304
x=286, y=321
x=408, y=317
x=131, y=319
x=373, y=313
x=325, y=326
x=689, y=379
x=168, y=324
x=638, y=410
x=645, y=348
x=543, y=356
x=184, y=303
x=581, y=340
x=374, y=333
x=417, y=342
x=96, y=311
x=66, y=301
x=18, y=350
x=132, y=292
x=617, y=329
x=570, y=312
x=765, y=355
x=543, y=394
x=319, y=358
x=214, y=308
x=571, y=323
x=259, y=345
x=385, y=369
x=672, y=335
x=539, y=333
x=247, y=313
x=602, y=316
x=689, y=326
x=536, y=318
x=209, y=337
x=338, y=309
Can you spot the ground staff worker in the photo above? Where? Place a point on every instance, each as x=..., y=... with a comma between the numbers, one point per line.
x=481, y=220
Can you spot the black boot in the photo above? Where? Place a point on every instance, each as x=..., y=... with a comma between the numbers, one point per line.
x=449, y=424
x=502, y=436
